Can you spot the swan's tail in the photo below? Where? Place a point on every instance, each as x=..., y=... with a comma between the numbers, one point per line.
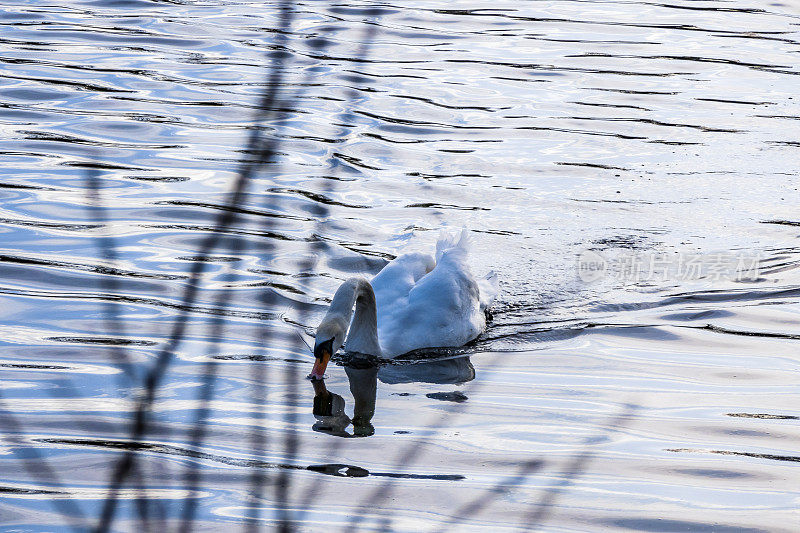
x=489, y=287
x=449, y=239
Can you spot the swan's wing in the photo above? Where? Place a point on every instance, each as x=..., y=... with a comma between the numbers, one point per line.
x=449, y=290
x=422, y=304
x=442, y=309
x=398, y=278
x=395, y=280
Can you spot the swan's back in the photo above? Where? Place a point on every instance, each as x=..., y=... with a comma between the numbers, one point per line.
x=425, y=302
x=396, y=279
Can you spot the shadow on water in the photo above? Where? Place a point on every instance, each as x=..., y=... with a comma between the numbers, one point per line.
x=363, y=374
x=329, y=407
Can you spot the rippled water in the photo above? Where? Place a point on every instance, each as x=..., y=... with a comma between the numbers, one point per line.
x=640, y=130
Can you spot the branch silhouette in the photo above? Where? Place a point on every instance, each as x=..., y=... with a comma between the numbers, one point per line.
x=258, y=152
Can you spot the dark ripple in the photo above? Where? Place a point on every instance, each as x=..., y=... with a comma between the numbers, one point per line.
x=615, y=106
x=714, y=473
x=763, y=416
x=711, y=296
x=430, y=205
x=24, y=187
x=553, y=69
x=97, y=269
x=439, y=104
x=428, y=176
x=100, y=166
x=584, y=132
x=33, y=366
x=50, y=225
x=39, y=94
x=107, y=341
x=652, y=122
x=71, y=139
x=664, y=525
x=740, y=102
x=17, y=490
x=411, y=122
x=696, y=59
x=765, y=334
x=354, y=161
x=634, y=91
x=338, y=470
x=204, y=310
x=243, y=210
x=768, y=456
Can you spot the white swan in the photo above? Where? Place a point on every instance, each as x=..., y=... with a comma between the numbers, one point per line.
x=416, y=301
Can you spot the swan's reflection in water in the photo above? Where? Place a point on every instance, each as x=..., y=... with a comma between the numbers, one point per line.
x=329, y=407
x=329, y=411
x=442, y=371
x=363, y=374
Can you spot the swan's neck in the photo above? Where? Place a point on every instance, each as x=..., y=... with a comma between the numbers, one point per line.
x=363, y=334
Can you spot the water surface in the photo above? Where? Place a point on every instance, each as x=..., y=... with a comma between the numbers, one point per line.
x=653, y=398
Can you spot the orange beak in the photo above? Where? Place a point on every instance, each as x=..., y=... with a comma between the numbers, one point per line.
x=320, y=364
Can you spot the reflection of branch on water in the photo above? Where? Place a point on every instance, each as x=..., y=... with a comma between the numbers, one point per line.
x=452, y=366
x=258, y=152
x=575, y=468
x=34, y=461
x=475, y=506
x=37, y=466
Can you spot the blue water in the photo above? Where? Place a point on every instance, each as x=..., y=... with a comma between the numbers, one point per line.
x=642, y=137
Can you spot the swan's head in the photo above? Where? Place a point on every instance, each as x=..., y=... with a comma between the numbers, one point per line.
x=330, y=337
